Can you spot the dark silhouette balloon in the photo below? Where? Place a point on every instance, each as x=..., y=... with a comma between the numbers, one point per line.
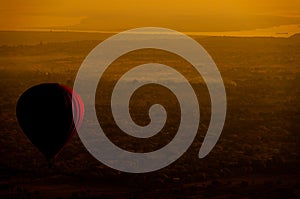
x=44, y=113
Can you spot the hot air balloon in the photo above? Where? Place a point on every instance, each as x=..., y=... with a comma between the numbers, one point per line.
x=44, y=113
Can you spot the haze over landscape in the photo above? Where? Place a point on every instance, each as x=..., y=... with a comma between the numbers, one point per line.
x=212, y=17
x=255, y=45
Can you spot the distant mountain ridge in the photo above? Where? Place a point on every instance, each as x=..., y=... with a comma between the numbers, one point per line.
x=14, y=38
x=295, y=36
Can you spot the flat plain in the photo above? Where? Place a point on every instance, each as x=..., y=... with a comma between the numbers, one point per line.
x=257, y=154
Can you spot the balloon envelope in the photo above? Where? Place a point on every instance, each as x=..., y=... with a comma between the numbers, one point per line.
x=44, y=113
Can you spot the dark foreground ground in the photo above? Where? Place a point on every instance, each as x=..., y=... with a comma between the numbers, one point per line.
x=257, y=155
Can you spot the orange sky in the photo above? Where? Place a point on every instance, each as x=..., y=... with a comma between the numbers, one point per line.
x=182, y=15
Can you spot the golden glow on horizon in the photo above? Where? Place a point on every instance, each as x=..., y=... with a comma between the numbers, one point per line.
x=114, y=15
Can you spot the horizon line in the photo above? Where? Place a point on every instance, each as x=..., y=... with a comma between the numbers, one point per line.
x=192, y=33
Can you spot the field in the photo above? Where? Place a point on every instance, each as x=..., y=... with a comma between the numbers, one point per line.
x=257, y=154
